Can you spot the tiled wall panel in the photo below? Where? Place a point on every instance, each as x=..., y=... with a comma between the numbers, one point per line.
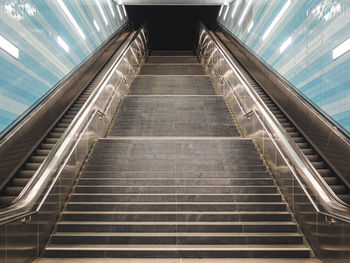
x=51, y=38
x=300, y=45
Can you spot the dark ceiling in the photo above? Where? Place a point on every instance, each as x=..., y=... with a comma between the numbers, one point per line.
x=172, y=27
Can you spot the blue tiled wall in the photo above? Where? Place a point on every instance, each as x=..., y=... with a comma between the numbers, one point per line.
x=34, y=26
x=315, y=28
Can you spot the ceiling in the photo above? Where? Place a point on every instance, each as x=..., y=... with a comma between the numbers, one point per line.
x=172, y=2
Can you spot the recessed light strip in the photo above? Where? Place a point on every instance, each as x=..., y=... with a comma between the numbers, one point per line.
x=96, y=25
x=235, y=8
x=110, y=7
x=222, y=7
x=101, y=11
x=120, y=14
x=245, y=12
x=277, y=19
x=71, y=18
x=341, y=49
x=285, y=44
x=8, y=47
x=63, y=44
x=124, y=10
x=251, y=24
x=227, y=8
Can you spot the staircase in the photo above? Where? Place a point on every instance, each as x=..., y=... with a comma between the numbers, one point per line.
x=174, y=179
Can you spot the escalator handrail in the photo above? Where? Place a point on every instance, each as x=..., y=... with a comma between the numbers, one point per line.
x=331, y=204
x=31, y=197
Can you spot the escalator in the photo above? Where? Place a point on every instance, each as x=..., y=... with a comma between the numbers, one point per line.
x=18, y=182
x=330, y=178
x=173, y=178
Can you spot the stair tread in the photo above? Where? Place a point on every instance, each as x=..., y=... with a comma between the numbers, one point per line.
x=175, y=223
x=176, y=247
x=197, y=234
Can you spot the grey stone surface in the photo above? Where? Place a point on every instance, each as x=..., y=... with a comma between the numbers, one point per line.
x=166, y=69
x=172, y=85
x=174, y=116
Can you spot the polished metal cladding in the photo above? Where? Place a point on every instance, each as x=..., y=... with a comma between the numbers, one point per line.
x=323, y=217
x=26, y=225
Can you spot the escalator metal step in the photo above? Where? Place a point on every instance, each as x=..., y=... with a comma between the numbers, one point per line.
x=26, y=173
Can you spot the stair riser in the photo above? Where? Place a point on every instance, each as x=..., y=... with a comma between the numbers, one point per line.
x=179, y=254
x=180, y=240
x=175, y=198
x=178, y=228
x=180, y=217
x=121, y=174
x=175, y=207
x=178, y=182
x=173, y=190
x=184, y=167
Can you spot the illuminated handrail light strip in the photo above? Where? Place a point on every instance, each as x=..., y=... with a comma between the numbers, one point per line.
x=341, y=49
x=285, y=44
x=96, y=25
x=101, y=11
x=227, y=8
x=245, y=12
x=235, y=8
x=276, y=20
x=120, y=14
x=71, y=18
x=110, y=7
x=8, y=47
x=63, y=44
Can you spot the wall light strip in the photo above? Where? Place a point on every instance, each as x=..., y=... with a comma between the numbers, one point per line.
x=110, y=7
x=245, y=12
x=277, y=19
x=71, y=19
x=124, y=10
x=227, y=8
x=63, y=44
x=120, y=14
x=8, y=47
x=96, y=25
x=251, y=24
x=285, y=44
x=101, y=11
x=235, y=8
x=222, y=7
x=341, y=49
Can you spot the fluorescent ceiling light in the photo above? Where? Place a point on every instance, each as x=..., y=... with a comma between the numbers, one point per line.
x=110, y=7
x=101, y=11
x=63, y=44
x=285, y=44
x=71, y=19
x=235, y=8
x=8, y=47
x=227, y=8
x=277, y=19
x=96, y=25
x=120, y=14
x=341, y=49
x=251, y=24
x=124, y=10
x=222, y=7
x=245, y=12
